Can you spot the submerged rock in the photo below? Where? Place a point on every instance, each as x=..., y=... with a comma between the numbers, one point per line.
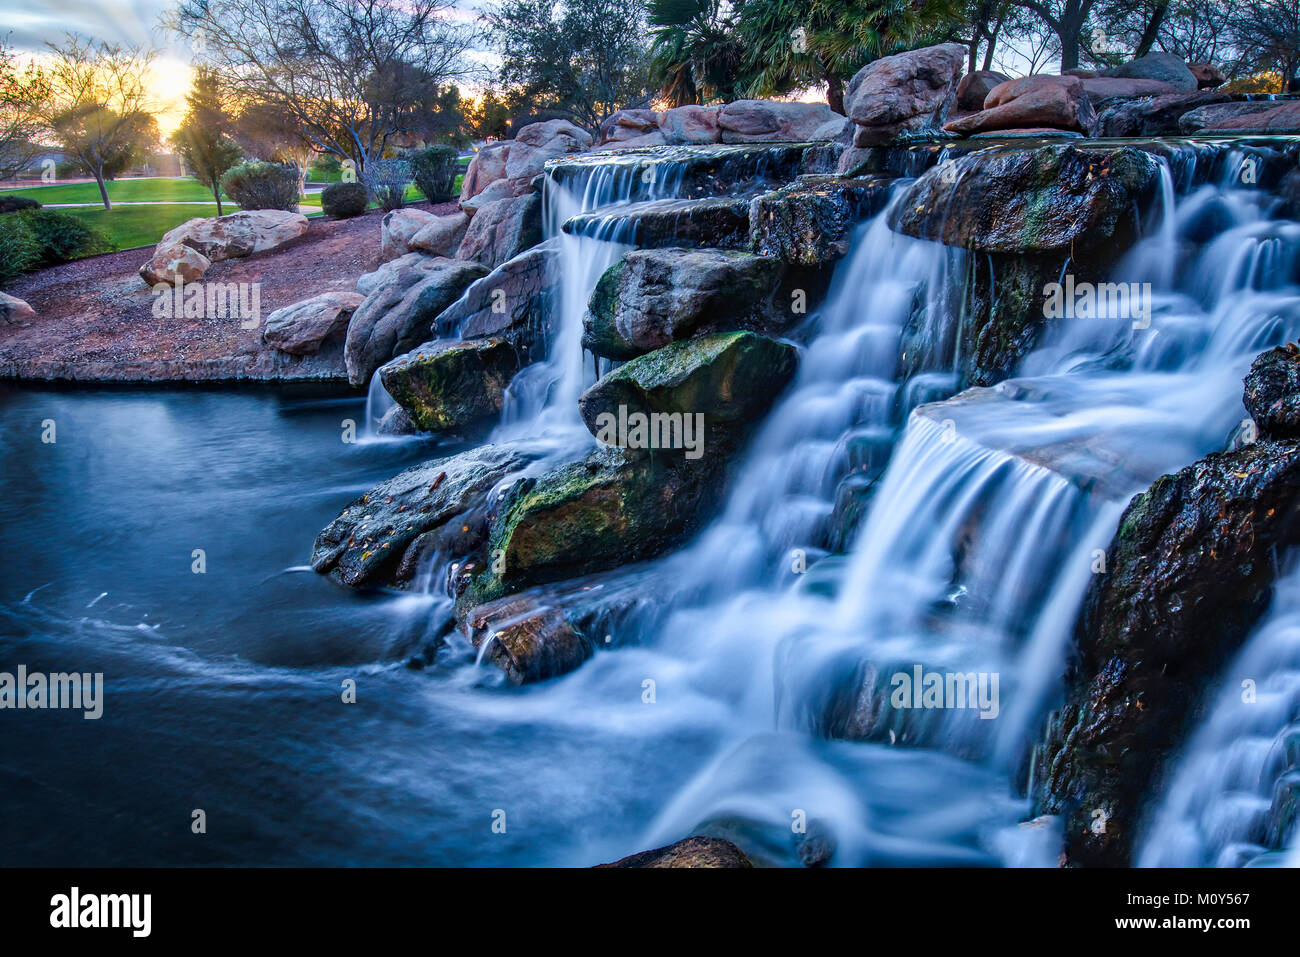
x=692, y=852
x=1189, y=572
x=440, y=506
x=528, y=639
x=652, y=297
x=451, y=385
x=399, y=313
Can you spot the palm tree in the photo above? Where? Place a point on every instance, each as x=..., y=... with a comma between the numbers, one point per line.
x=790, y=44
x=697, y=55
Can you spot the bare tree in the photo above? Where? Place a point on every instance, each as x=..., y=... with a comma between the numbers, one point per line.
x=353, y=75
x=96, y=105
x=1268, y=34
x=21, y=93
x=1066, y=20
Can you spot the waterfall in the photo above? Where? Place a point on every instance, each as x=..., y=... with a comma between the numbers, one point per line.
x=1219, y=809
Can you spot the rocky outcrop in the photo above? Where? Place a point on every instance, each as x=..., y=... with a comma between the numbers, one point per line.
x=1152, y=116
x=451, y=386
x=236, y=235
x=1204, y=117
x=173, y=261
x=301, y=329
x=975, y=87
x=13, y=309
x=627, y=125
x=1056, y=102
x=1272, y=395
x=720, y=223
x=692, y=852
x=512, y=302
x=904, y=93
x=1188, y=573
x=397, y=229
x=811, y=222
x=729, y=378
x=487, y=166
x=537, y=143
x=1102, y=88
x=495, y=192
x=1034, y=201
x=690, y=125
x=770, y=121
x=502, y=230
x=399, y=313
x=1161, y=67
x=441, y=236
x=440, y=506
x=652, y=297
x=1282, y=118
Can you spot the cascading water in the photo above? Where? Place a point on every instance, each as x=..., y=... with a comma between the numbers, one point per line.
x=1220, y=807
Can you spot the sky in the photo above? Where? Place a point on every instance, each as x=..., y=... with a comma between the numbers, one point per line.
x=30, y=24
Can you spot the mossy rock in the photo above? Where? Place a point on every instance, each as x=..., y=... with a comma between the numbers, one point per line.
x=445, y=386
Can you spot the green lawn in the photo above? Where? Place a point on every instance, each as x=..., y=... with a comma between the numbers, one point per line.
x=129, y=226
x=147, y=190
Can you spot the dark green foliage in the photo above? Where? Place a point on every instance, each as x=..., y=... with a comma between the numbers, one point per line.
x=344, y=200
x=16, y=204
x=61, y=237
x=258, y=185
x=434, y=170
x=19, y=250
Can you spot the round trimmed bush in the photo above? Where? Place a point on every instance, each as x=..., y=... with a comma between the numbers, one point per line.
x=344, y=200
x=258, y=185
x=16, y=204
x=62, y=237
x=19, y=250
x=388, y=179
x=434, y=170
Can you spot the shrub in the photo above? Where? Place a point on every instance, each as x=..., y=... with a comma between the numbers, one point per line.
x=343, y=200
x=16, y=204
x=19, y=250
x=258, y=185
x=62, y=237
x=434, y=170
x=388, y=179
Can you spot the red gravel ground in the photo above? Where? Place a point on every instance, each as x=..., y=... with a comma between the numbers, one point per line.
x=94, y=317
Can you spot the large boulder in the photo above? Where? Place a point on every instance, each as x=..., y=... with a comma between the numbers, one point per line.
x=692, y=852
x=487, y=166
x=1056, y=102
x=975, y=87
x=442, y=505
x=13, y=309
x=512, y=302
x=652, y=297
x=451, y=385
x=811, y=222
x=174, y=261
x=690, y=125
x=502, y=230
x=627, y=125
x=236, y=235
x=1188, y=573
x=1052, y=198
x=1163, y=67
x=1152, y=116
x=904, y=93
x=397, y=229
x=1209, y=116
x=769, y=121
x=494, y=192
x=729, y=378
x=1105, y=87
x=302, y=328
x=537, y=143
x=398, y=315
x=440, y=236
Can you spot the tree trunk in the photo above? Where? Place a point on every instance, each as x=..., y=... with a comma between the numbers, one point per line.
x=835, y=92
x=216, y=194
x=1153, y=28
x=993, y=42
x=103, y=189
